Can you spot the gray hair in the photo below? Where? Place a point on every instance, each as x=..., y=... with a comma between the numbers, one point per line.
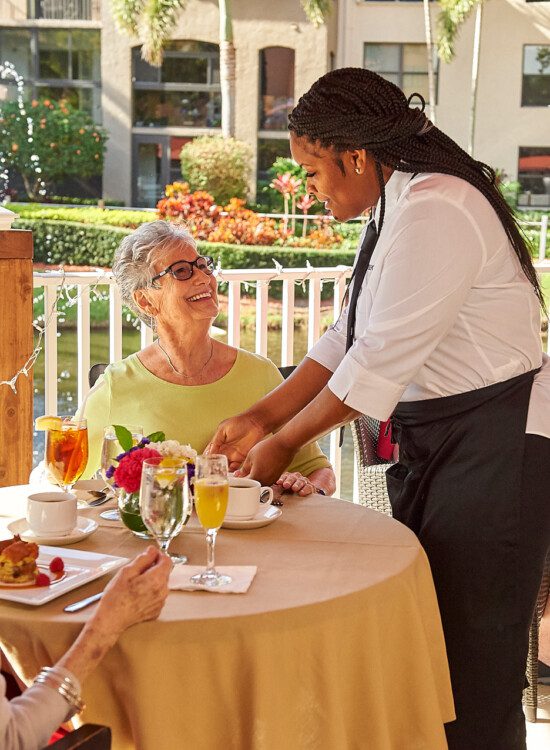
x=132, y=262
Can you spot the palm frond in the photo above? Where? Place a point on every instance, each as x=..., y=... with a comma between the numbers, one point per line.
x=317, y=11
x=155, y=25
x=126, y=14
x=452, y=15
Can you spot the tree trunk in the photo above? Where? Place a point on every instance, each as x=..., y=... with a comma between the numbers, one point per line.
x=31, y=187
x=227, y=68
x=475, y=76
x=430, y=49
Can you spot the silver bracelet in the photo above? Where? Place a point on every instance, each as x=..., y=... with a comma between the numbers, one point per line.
x=65, y=686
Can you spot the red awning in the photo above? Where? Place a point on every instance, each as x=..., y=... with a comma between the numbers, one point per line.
x=536, y=163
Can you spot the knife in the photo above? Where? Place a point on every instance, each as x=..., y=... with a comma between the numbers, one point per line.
x=76, y=606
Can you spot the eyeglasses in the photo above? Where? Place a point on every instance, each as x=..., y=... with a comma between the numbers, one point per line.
x=183, y=269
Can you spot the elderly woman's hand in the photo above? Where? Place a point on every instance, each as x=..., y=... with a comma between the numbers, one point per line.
x=137, y=592
x=293, y=481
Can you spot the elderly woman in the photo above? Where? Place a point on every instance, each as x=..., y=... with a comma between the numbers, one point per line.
x=186, y=382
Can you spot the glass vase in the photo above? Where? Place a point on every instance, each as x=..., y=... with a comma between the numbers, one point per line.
x=128, y=505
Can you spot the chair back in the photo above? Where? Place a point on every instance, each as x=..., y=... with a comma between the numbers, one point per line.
x=95, y=371
x=373, y=492
x=86, y=737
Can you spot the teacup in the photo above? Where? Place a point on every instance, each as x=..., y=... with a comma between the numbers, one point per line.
x=51, y=513
x=246, y=496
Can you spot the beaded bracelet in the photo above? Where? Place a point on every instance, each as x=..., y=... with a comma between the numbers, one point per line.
x=65, y=686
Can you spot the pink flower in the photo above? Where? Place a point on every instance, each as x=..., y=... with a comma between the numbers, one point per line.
x=305, y=203
x=128, y=473
x=286, y=183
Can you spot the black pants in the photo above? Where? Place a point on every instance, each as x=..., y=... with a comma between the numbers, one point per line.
x=476, y=491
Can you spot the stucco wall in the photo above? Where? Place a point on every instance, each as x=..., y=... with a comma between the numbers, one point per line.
x=502, y=124
x=258, y=24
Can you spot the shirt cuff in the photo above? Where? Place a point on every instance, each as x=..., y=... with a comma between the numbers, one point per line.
x=364, y=390
x=328, y=350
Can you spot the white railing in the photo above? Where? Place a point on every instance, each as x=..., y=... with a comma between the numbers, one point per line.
x=314, y=278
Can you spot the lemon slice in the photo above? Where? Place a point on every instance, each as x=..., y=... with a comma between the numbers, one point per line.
x=48, y=423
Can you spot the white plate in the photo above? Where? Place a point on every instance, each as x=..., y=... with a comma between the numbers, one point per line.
x=84, y=527
x=263, y=518
x=80, y=567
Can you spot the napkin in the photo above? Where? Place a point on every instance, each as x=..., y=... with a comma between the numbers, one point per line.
x=241, y=578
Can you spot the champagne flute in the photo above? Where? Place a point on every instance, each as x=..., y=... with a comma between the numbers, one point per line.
x=110, y=449
x=66, y=451
x=211, y=495
x=164, y=500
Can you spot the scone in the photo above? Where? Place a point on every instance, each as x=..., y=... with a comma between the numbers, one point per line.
x=18, y=561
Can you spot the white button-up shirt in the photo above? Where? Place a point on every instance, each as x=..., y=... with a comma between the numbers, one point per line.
x=445, y=306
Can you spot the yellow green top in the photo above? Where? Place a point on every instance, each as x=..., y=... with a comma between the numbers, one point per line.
x=129, y=394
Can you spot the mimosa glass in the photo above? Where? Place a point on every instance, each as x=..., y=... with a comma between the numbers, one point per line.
x=164, y=500
x=66, y=453
x=211, y=495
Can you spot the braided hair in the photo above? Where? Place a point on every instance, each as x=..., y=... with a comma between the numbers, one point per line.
x=354, y=108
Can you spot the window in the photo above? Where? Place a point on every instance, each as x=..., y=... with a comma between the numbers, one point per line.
x=403, y=64
x=56, y=63
x=534, y=176
x=536, y=76
x=276, y=87
x=183, y=92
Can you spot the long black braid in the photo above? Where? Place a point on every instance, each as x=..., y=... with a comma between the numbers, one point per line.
x=354, y=108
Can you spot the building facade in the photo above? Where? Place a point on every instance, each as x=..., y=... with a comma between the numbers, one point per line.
x=512, y=123
x=71, y=49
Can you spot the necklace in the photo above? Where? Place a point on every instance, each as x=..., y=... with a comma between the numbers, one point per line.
x=179, y=372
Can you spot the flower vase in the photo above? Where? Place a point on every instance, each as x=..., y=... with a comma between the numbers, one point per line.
x=128, y=505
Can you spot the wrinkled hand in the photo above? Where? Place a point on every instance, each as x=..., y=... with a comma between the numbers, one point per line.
x=293, y=481
x=266, y=461
x=234, y=438
x=137, y=592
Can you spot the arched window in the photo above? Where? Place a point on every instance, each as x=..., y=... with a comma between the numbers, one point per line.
x=183, y=92
x=276, y=87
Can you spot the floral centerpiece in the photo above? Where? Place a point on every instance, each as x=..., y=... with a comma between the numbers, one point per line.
x=126, y=471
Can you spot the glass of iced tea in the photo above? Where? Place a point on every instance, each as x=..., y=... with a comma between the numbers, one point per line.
x=66, y=450
x=211, y=495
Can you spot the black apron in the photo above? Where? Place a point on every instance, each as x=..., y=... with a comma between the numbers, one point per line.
x=458, y=486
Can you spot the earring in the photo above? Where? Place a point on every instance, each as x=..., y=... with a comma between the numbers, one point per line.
x=357, y=170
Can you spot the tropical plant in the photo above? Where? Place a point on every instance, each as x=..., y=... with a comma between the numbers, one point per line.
x=153, y=21
x=221, y=166
x=452, y=16
x=47, y=141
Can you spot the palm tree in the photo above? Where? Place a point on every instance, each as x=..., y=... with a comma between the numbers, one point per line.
x=153, y=21
x=451, y=17
x=429, y=50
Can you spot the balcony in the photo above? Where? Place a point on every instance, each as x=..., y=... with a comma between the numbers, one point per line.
x=65, y=10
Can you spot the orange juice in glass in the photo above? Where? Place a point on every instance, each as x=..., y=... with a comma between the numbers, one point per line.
x=66, y=450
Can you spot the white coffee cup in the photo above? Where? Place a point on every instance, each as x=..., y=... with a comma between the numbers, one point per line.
x=51, y=513
x=246, y=497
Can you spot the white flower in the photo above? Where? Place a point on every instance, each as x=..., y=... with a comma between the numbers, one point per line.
x=175, y=449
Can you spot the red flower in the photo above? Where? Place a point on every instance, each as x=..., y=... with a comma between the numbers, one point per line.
x=128, y=473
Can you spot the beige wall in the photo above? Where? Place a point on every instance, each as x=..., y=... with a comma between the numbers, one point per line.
x=502, y=124
x=258, y=24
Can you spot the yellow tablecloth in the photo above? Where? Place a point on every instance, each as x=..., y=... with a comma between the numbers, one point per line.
x=338, y=643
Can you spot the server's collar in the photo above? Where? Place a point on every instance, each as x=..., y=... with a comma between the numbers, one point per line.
x=395, y=187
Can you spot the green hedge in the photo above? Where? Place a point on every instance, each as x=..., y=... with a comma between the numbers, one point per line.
x=103, y=217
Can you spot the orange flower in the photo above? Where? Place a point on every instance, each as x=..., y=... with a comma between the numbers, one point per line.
x=34, y=103
x=53, y=145
x=14, y=147
x=46, y=102
x=78, y=151
x=81, y=131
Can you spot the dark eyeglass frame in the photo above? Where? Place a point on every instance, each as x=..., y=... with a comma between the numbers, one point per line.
x=208, y=268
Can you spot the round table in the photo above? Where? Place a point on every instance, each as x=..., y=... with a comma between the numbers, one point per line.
x=337, y=644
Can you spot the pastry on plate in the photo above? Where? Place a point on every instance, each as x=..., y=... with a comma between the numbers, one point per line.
x=18, y=561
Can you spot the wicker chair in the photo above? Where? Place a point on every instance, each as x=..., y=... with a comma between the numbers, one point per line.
x=373, y=494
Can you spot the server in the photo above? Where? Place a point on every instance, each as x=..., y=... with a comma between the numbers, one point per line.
x=442, y=333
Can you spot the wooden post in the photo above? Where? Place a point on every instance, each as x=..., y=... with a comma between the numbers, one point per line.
x=16, y=345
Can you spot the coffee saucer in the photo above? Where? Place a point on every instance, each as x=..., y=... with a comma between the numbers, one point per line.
x=84, y=527
x=263, y=518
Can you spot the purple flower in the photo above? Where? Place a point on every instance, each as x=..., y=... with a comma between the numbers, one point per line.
x=110, y=471
x=144, y=441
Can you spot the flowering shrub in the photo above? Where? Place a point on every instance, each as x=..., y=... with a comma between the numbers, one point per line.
x=217, y=164
x=64, y=142
x=235, y=224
